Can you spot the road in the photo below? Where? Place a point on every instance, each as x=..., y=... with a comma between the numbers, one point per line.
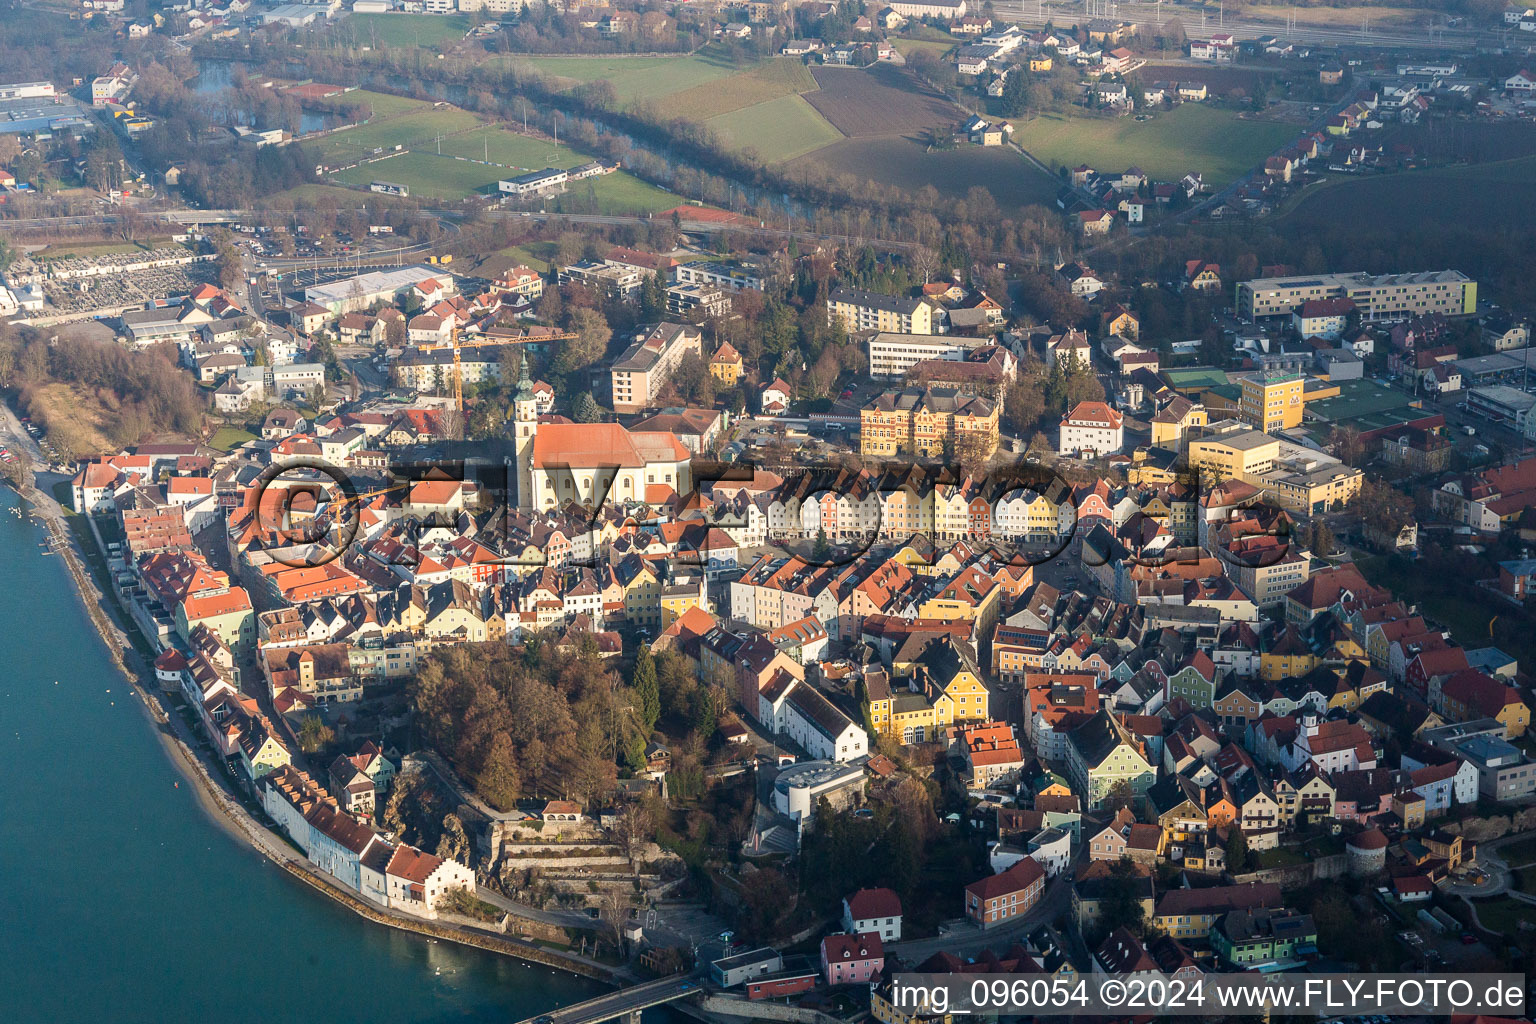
x=973, y=940
x=616, y=1005
x=1495, y=867
x=558, y=918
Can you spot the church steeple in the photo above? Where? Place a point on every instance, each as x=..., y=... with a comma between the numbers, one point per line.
x=525, y=424
x=524, y=391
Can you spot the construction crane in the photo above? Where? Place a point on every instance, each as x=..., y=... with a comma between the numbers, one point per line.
x=458, y=345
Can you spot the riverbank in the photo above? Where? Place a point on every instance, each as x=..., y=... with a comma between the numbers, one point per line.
x=215, y=798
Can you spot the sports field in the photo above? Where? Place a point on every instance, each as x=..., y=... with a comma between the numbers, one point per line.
x=907, y=47
x=428, y=30
x=430, y=176
x=518, y=153
x=1192, y=137
x=418, y=129
x=426, y=175
x=777, y=130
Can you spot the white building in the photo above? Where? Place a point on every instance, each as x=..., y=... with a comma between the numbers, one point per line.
x=388, y=286
x=1091, y=430
x=802, y=714
x=873, y=910
x=26, y=91
x=892, y=355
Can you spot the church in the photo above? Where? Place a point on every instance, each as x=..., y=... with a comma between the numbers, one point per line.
x=591, y=463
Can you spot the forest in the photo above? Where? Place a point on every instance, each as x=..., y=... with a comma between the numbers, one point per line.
x=541, y=721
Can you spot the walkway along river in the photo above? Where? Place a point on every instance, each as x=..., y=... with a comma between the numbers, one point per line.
x=125, y=900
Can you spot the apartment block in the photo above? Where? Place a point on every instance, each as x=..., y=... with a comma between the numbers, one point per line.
x=643, y=369
x=892, y=355
x=859, y=310
x=1376, y=295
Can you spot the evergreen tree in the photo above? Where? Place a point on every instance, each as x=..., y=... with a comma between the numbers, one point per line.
x=705, y=714
x=647, y=688
x=1237, y=851
x=653, y=298
x=822, y=547
x=584, y=408
x=634, y=753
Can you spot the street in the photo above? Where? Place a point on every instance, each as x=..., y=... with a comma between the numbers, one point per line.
x=1053, y=903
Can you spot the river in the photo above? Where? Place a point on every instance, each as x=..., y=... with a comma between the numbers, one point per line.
x=123, y=900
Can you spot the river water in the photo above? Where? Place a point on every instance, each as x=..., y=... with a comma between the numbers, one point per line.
x=122, y=900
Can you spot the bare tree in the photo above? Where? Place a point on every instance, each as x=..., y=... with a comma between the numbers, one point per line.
x=924, y=261
x=636, y=825
x=613, y=911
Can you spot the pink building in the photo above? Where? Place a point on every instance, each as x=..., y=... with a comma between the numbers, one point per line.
x=852, y=959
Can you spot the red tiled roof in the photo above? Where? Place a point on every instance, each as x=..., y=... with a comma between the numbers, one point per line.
x=412, y=864
x=1017, y=878
x=870, y=903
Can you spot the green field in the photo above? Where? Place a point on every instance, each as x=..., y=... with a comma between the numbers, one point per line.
x=1502, y=913
x=907, y=47
x=418, y=129
x=383, y=104
x=616, y=194
x=778, y=130
x=781, y=76
x=518, y=152
x=1192, y=137
x=637, y=78
x=407, y=29
x=311, y=195
x=1453, y=196
x=226, y=438
x=425, y=174
x=443, y=177
x=500, y=261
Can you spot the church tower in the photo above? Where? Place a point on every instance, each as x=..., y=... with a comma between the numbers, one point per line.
x=525, y=424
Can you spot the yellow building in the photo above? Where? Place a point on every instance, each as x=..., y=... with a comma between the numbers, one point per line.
x=1272, y=401
x=883, y=1008
x=972, y=596
x=953, y=682
x=1173, y=421
x=642, y=591
x=1119, y=321
x=1288, y=658
x=676, y=600
x=1040, y=62
x=1305, y=487
x=725, y=365
x=859, y=310
x=922, y=422
x=1238, y=455
x=942, y=686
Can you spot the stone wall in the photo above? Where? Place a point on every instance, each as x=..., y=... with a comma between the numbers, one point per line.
x=1295, y=876
x=564, y=862
x=1482, y=830
x=763, y=1009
